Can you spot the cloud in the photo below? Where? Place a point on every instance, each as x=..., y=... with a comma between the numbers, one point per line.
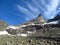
x=24, y=10
x=35, y=7
x=28, y=14
x=51, y=9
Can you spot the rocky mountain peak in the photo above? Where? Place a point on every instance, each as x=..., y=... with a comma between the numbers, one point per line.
x=40, y=18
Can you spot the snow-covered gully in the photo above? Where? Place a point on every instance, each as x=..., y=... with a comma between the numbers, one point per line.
x=6, y=33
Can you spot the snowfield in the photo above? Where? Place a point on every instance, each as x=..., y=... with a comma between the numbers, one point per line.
x=4, y=33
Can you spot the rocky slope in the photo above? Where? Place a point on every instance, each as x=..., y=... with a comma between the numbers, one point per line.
x=38, y=32
x=36, y=27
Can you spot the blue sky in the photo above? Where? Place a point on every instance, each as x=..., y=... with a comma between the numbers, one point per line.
x=19, y=11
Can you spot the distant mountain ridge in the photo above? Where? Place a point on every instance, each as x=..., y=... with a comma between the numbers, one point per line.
x=56, y=18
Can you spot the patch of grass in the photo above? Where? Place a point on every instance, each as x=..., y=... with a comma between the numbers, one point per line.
x=12, y=40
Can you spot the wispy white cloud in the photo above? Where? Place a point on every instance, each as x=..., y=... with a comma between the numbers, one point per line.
x=26, y=12
x=34, y=9
x=51, y=9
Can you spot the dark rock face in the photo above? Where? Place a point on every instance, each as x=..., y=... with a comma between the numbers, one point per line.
x=11, y=31
x=56, y=18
